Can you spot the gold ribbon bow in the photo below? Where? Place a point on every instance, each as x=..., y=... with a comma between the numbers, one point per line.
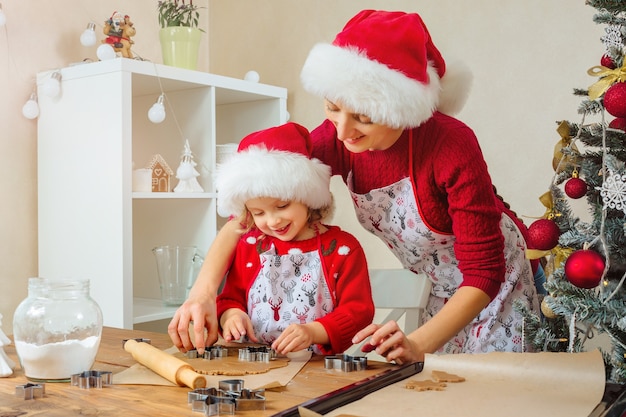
x=566, y=139
x=608, y=77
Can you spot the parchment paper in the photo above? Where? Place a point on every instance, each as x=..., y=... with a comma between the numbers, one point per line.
x=497, y=384
x=279, y=377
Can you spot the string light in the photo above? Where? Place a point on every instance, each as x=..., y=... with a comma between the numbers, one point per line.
x=3, y=18
x=88, y=37
x=252, y=76
x=156, y=114
x=52, y=86
x=30, y=110
x=105, y=52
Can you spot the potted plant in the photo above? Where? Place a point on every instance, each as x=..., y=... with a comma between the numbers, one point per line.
x=179, y=35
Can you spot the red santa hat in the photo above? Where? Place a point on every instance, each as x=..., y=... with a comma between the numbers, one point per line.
x=277, y=163
x=384, y=65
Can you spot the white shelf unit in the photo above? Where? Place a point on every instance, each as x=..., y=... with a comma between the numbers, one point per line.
x=92, y=136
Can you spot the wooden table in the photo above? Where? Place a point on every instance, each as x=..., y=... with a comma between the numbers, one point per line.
x=65, y=400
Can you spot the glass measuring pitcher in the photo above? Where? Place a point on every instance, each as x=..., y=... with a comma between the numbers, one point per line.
x=177, y=267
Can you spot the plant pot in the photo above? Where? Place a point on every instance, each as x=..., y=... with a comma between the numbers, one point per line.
x=180, y=45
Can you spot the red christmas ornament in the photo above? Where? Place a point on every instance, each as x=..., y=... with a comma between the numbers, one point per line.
x=615, y=100
x=618, y=123
x=607, y=61
x=543, y=234
x=575, y=188
x=584, y=268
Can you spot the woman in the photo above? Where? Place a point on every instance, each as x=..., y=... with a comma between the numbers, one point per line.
x=419, y=181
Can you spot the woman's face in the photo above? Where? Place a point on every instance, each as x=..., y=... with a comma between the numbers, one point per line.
x=357, y=132
x=285, y=220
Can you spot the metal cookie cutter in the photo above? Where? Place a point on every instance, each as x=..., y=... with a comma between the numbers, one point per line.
x=225, y=400
x=30, y=391
x=256, y=354
x=92, y=379
x=211, y=352
x=346, y=363
x=138, y=340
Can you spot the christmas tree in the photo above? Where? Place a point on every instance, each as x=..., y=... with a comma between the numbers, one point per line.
x=586, y=252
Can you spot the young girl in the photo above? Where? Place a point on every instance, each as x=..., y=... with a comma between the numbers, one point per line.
x=294, y=282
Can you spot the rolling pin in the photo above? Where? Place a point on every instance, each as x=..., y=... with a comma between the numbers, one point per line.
x=164, y=364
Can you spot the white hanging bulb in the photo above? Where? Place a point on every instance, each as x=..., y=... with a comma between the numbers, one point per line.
x=88, y=37
x=156, y=114
x=3, y=18
x=252, y=76
x=52, y=86
x=105, y=52
x=30, y=110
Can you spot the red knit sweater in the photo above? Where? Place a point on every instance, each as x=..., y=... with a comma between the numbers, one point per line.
x=454, y=190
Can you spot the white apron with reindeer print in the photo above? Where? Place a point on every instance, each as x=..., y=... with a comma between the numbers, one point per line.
x=288, y=289
x=391, y=213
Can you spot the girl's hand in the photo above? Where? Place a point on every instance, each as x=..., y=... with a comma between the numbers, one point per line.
x=295, y=337
x=389, y=341
x=236, y=324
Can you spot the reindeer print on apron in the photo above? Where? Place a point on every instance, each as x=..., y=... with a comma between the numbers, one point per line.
x=288, y=289
x=391, y=213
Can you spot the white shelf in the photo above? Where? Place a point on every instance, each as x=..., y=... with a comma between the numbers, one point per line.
x=174, y=195
x=150, y=309
x=90, y=138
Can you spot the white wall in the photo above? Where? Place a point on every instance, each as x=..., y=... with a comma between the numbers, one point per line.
x=526, y=57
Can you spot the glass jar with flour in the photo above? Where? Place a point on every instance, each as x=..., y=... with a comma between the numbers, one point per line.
x=57, y=329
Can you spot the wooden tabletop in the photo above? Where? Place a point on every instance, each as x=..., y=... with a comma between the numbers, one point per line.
x=65, y=400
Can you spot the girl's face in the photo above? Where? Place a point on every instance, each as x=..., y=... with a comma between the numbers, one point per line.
x=357, y=132
x=285, y=220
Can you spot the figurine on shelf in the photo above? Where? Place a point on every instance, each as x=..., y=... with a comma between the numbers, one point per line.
x=187, y=173
x=161, y=174
x=119, y=29
x=6, y=364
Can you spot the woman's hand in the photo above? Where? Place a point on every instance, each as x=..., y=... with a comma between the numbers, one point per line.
x=389, y=341
x=201, y=311
x=200, y=307
x=236, y=324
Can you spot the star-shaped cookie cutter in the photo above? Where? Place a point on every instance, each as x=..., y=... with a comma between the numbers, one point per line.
x=30, y=391
x=346, y=363
x=229, y=397
x=92, y=379
x=257, y=354
x=211, y=352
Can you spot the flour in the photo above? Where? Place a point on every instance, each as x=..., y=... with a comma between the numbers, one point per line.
x=57, y=360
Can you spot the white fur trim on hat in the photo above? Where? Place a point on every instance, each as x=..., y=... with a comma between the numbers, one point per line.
x=259, y=172
x=349, y=78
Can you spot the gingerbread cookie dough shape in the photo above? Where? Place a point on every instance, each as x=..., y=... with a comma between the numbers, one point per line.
x=438, y=383
x=441, y=376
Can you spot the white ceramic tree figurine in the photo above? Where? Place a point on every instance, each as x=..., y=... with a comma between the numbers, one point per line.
x=187, y=173
x=6, y=364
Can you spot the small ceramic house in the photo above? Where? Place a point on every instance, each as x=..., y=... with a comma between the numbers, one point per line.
x=161, y=173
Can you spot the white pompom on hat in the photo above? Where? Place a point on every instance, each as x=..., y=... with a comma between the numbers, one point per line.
x=384, y=65
x=276, y=163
